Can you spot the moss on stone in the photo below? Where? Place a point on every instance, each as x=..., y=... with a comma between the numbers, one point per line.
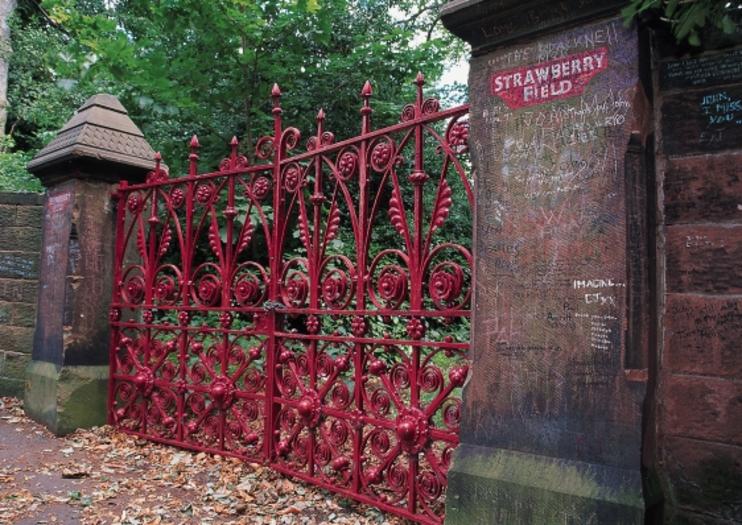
x=10, y=386
x=15, y=365
x=41, y=393
x=501, y=486
x=67, y=398
x=81, y=397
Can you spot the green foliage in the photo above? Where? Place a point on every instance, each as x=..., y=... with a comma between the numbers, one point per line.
x=187, y=66
x=13, y=174
x=40, y=100
x=687, y=17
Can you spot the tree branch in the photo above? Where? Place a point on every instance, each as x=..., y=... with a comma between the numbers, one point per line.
x=431, y=28
x=412, y=18
x=46, y=16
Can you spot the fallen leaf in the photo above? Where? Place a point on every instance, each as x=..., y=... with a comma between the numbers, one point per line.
x=74, y=473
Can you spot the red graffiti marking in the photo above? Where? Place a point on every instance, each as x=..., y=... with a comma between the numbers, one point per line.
x=561, y=78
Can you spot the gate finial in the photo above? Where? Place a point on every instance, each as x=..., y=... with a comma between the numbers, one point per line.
x=193, y=156
x=320, y=126
x=276, y=96
x=158, y=174
x=419, y=81
x=366, y=92
x=233, y=145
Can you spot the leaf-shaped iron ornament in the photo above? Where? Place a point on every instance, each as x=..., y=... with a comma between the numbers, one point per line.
x=304, y=235
x=396, y=214
x=245, y=236
x=141, y=244
x=333, y=222
x=215, y=241
x=167, y=236
x=442, y=205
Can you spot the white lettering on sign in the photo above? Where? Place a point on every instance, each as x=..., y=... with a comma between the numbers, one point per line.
x=560, y=78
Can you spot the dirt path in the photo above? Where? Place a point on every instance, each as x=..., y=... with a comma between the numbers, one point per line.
x=101, y=476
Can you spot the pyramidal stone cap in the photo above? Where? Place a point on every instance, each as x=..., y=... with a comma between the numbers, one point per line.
x=99, y=142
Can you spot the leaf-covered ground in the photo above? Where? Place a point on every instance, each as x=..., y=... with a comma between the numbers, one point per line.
x=101, y=476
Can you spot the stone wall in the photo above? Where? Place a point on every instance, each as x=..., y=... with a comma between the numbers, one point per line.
x=20, y=243
x=699, y=391
x=553, y=417
x=551, y=428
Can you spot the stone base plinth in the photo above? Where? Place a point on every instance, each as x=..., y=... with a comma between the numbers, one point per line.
x=488, y=486
x=66, y=398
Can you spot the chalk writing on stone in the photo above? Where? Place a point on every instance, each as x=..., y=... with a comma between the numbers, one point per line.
x=721, y=108
x=605, y=35
x=546, y=136
x=549, y=49
x=702, y=71
x=504, y=348
x=600, y=299
x=600, y=335
x=707, y=121
x=596, y=283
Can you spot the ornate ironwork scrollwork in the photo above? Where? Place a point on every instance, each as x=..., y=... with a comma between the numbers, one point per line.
x=306, y=310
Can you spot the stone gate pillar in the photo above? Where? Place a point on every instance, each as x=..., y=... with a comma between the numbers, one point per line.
x=552, y=416
x=66, y=385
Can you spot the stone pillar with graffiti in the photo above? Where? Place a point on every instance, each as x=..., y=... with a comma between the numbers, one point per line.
x=552, y=416
x=66, y=380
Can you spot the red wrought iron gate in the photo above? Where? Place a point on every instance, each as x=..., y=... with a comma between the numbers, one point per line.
x=308, y=311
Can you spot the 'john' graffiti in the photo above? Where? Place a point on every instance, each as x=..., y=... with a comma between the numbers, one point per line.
x=721, y=108
x=556, y=79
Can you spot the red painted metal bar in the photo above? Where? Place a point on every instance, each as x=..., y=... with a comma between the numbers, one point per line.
x=309, y=312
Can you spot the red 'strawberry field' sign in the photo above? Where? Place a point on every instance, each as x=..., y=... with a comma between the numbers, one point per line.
x=560, y=78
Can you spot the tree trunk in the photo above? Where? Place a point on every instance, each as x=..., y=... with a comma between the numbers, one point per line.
x=6, y=10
